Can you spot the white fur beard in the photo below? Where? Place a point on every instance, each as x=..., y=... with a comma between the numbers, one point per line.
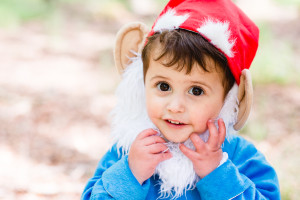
x=177, y=174
x=130, y=118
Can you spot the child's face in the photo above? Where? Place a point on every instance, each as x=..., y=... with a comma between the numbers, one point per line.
x=180, y=104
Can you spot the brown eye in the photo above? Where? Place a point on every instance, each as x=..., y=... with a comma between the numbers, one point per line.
x=197, y=91
x=163, y=86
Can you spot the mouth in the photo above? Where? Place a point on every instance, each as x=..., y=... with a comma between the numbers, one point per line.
x=174, y=122
x=175, y=131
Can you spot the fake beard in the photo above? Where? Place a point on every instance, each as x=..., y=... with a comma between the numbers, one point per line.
x=130, y=118
x=177, y=173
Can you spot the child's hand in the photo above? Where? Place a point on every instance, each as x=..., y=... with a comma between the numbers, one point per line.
x=146, y=152
x=207, y=156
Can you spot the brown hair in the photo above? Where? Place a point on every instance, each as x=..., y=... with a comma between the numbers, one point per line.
x=184, y=48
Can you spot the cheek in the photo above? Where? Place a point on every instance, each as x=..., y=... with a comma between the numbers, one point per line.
x=149, y=106
x=153, y=106
x=200, y=116
x=199, y=119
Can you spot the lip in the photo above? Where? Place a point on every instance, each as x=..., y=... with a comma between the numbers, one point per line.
x=177, y=126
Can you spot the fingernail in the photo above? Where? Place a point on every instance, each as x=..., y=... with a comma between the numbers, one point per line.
x=165, y=150
x=156, y=130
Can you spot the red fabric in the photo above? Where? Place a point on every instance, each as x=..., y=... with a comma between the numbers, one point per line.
x=243, y=30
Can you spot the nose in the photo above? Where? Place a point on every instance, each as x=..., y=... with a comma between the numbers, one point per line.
x=176, y=104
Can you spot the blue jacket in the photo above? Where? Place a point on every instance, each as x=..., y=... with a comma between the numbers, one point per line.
x=246, y=175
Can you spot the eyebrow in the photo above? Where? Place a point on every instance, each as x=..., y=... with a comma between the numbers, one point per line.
x=159, y=76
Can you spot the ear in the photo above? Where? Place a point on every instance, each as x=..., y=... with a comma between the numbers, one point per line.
x=130, y=38
x=245, y=97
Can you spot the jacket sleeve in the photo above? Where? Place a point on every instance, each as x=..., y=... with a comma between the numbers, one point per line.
x=113, y=179
x=246, y=175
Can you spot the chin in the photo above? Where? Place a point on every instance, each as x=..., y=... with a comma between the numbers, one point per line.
x=177, y=139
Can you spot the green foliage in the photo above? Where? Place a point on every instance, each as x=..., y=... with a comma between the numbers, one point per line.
x=255, y=130
x=162, y=3
x=286, y=194
x=14, y=12
x=274, y=62
x=289, y=2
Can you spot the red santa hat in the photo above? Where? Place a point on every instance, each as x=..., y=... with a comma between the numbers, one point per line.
x=221, y=22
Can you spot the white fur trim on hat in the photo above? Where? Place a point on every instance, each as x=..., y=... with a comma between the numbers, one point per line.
x=169, y=21
x=219, y=35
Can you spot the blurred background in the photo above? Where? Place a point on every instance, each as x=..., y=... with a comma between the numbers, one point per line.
x=57, y=83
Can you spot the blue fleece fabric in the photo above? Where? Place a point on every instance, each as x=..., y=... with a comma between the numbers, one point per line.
x=246, y=175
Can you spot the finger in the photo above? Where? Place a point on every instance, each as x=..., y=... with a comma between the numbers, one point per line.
x=222, y=132
x=146, y=133
x=153, y=139
x=162, y=156
x=157, y=148
x=192, y=155
x=198, y=142
x=213, y=139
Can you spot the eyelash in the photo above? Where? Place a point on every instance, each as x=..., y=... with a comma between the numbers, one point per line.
x=201, y=90
x=158, y=86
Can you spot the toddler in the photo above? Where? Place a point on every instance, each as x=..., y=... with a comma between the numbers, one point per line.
x=183, y=96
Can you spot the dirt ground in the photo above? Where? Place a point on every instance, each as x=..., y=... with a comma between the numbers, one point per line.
x=56, y=92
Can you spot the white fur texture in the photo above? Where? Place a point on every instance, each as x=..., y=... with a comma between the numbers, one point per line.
x=169, y=21
x=219, y=34
x=230, y=109
x=177, y=174
x=130, y=117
